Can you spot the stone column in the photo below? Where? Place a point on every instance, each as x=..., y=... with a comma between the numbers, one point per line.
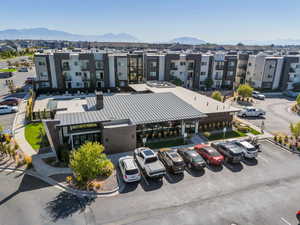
x=182, y=127
x=196, y=126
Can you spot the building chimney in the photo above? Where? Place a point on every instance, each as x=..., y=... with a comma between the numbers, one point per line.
x=99, y=100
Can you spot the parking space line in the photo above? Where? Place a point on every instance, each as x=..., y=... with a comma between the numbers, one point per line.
x=144, y=178
x=259, y=156
x=285, y=221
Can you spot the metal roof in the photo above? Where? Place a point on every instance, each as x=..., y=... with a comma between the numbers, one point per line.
x=138, y=108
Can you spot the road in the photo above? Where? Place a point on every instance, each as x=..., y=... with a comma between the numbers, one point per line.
x=278, y=114
x=261, y=192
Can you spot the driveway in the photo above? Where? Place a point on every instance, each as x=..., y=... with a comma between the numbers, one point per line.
x=278, y=114
x=262, y=192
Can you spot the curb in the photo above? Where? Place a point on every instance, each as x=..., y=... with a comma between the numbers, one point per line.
x=283, y=147
x=76, y=192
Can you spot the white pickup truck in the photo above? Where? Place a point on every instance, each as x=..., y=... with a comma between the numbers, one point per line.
x=149, y=162
x=251, y=112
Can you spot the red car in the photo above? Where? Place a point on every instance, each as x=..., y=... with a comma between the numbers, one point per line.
x=210, y=154
x=10, y=101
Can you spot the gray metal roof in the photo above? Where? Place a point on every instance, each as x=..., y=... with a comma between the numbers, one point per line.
x=139, y=108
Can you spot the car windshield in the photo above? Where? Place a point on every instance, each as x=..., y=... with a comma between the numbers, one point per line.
x=197, y=158
x=150, y=160
x=251, y=149
x=132, y=172
x=212, y=152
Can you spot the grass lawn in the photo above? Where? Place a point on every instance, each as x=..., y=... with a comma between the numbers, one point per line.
x=255, y=132
x=33, y=136
x=8, y=70
x=165, y=143
x=231, y=134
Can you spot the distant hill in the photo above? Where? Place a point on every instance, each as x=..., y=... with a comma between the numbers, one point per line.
x=47, y=34
x=188, y=41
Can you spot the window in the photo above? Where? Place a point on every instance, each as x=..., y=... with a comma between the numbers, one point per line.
x=42, y=63
x=153, y=64
x=203, y=73
x=101, y=75
x=152, y=74
x=78, y=74
x=182, y=63
x=75, y=63
x=78, y=84
x=203, y=63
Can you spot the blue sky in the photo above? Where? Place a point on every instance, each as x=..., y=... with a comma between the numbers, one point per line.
x=160, y=20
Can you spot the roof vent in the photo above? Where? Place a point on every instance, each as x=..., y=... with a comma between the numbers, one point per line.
x=99, y=100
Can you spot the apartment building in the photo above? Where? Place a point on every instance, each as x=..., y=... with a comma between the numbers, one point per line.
x=290, y=78
x=241, y=68
x=264, y=71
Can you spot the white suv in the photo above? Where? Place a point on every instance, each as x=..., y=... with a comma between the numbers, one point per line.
x=129, y=169
x=250, y=152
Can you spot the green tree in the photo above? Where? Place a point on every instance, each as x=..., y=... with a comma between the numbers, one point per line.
x=245, y=90
x=298, y=99
x=208, y=82
x=295, y=129
x=89, y=161
x=217, y=96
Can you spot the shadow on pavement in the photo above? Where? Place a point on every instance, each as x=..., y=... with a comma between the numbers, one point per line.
x=174, y=178
x=129, y=187
x=28, y=183
x=66, y=204
x=250, y=162
x=234, y=167
x=215, y=168
x=195, y=173
x=151, y=184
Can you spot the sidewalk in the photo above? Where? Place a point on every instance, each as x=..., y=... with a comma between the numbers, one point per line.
x=19, y=130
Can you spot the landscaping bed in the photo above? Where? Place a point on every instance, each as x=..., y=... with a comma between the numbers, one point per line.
x=229, y=134
x=7, y=70
x=36, y=136
x=165, y=143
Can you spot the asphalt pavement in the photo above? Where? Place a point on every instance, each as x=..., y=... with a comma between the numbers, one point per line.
x=262, y=192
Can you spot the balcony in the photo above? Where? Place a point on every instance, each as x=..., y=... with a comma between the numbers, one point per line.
x=66, y=67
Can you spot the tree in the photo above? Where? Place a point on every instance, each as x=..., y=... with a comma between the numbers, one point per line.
x=245, y=90
x=295, y=129
x=208, y=82
x=298, y=99
x=89, y=161
x=176, y=81
x=217, y=96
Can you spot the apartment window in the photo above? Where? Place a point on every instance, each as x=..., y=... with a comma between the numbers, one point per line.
x=249, y=64
x=152, y=74
x=75, y=63
x=203, y=63
x=203, y=73
x=231, y=63
x=78, y=74
x=99, y=65
x=42, y=63
x=182, y=63
x=153, y=64
x=78, y=84
x=298, y=66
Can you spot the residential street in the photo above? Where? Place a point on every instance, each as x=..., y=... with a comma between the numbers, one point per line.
x=243, y=194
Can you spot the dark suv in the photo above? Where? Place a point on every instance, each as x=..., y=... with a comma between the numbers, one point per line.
x=232, y=152
x=172, y=160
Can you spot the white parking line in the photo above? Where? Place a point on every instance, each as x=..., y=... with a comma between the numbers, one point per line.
x=144, y=178
x=259, y=156
x=285, y=221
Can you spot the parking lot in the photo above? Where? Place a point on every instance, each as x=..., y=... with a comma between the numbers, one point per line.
x=245, y=193
x=278, y=114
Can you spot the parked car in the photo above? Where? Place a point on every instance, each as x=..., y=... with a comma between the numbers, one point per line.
x=23, y=69
x=251, y=112
x=149, y=163
x=4, y=75
x=4, y=109
x=211, y=155
x=250, y=151
x=231, y=152
x=11, y=101
x=29, y=80
x=172, y=160
x=192, y=159
x=258, y=95
x=129, y=169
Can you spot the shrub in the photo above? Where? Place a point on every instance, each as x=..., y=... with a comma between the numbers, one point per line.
x=245, y=90
x=97, y=186
x=28, y=161
x=89, y=161
x=217, y=96
x=69, y=179
x=207, y=134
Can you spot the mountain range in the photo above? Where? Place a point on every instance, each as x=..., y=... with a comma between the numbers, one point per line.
x=47, y=34
x=188, y=41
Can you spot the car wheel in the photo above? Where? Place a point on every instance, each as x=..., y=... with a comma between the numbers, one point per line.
x=189, y=165
x=244, y=115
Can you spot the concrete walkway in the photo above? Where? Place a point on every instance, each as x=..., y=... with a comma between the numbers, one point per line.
x=19, y=129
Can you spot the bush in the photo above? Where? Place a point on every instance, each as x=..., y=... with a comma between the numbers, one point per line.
x=217, y=96
x=28, y=161
x=69, y=179
x=89, y=161
x=245, y=90
x=207, y=134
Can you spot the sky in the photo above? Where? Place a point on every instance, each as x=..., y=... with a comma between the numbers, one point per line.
x=160, y=20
